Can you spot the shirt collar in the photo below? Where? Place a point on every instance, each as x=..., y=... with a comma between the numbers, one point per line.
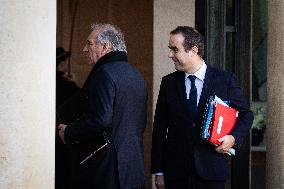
x=200, y=74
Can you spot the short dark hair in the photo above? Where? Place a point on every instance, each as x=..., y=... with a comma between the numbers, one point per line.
x=191, y=38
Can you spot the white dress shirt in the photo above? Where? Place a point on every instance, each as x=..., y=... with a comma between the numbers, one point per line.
x=199, y=81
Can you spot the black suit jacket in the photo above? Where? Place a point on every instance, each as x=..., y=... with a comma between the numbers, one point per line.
x=176, y=136
x=117, y=103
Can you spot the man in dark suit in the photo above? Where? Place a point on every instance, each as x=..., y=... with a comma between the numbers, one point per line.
x=180, y=159
x=116, y=105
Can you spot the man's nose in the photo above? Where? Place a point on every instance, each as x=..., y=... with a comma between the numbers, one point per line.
x=170, y=55
x=85, y=49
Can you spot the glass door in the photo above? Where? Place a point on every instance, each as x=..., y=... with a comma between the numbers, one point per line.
x=259, y=81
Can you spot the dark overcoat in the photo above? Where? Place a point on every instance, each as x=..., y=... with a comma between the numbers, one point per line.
x=117, y=103
x=176, y=135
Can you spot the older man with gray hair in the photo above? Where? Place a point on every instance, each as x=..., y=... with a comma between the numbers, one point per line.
x=116, y=96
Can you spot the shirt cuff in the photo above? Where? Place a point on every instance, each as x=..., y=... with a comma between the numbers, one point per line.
x=159, y=174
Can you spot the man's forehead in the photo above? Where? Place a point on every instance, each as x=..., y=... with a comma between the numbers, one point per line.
x=176, y=40
x=93, y=35
x=177, y=37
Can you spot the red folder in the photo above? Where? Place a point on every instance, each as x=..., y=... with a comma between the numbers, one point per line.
x=224, y=121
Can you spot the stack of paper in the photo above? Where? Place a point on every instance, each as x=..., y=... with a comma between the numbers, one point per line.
x=219, y=120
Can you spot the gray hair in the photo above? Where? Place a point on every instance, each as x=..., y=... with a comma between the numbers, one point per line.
x=110, y=34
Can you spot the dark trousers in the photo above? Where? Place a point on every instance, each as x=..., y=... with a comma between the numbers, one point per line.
x=194, y=182
x=62, y=163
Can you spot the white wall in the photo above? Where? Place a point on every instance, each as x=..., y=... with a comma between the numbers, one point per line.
x=27, y=96
x=168, y=15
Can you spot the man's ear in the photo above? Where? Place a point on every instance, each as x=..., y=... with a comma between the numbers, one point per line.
x=106, y=47
x=194, y=49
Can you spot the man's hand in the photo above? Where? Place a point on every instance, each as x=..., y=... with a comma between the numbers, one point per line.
x=160, y=182
x=61, y=128
x=227, y=141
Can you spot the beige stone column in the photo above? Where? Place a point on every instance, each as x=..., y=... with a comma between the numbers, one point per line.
x=275, y=98
x=27, y=96
x=168, y=15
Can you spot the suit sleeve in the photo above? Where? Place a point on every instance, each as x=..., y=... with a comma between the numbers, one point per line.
x=159, y=131
x=99, y=116
x=245, y=117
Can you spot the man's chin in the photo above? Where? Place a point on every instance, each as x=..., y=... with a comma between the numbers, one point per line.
x=178, y=68
x=90, y=61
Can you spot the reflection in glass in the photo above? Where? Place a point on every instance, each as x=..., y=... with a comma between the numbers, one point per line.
x=230, y=52
x=259, y=45
x=259, y=81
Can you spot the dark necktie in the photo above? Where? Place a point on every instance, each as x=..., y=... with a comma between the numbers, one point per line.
x=192, y=100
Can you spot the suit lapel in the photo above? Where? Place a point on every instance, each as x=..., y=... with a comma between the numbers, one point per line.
x=207, y=89
x=180, y=86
